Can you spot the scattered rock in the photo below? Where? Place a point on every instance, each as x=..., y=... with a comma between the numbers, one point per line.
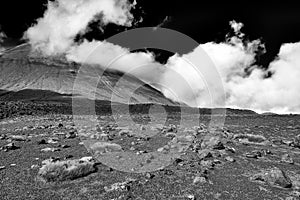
x=266, y=152
x=132, y=149
x=49, y=149
x=104, y=147
x=10, y=146
x=291, y=198
x=254, y=154
x=149, y=175
x=71, y=134
x=287, y=159
x=123, y=186
x=64, y=146
x=287, y=142
x=52, y=141
x=212, y=142
x=251, y=139
x=276, y=141
x=230, y=149
x=274, y=177
x=124, y=132
x=295, y=178
x=18, y=138
x=205, y=153
x=169, y=129
x=296, y=141
x=190, y=196
x=2, y=137
x=34, y=166
x=177, y=161
x=171, y=134
x=68, y=157
x=207, y=163
x=229, y=159
x=295, y=193
x=199, y=179
x=43, y=141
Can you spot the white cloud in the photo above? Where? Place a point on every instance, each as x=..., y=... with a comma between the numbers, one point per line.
x=179, y=79
x=64, y=19
x=2, y=37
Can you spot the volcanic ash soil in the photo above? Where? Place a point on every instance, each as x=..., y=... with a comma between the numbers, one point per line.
x=50, y=157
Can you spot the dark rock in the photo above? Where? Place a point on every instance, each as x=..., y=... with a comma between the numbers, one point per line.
x=64, y=146
x=149, y=175
x=217, y=162
x=71, y=135
x=2, y=137
x=254, y=154
x=10, y=146
x=43, y=141
x=177, y=161
x=288, y=142
x=205, y=153
x=68, y=157
x=170, y=128
x=266, y=151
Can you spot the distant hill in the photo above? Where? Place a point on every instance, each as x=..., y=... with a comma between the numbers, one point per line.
x=39, y=81
x=24, y=73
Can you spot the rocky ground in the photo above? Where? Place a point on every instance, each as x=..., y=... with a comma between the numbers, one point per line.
x=47, y=156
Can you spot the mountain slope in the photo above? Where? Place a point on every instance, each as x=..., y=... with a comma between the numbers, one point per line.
x=23, y=72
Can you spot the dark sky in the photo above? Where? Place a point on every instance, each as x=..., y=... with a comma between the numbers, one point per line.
x=274, y=23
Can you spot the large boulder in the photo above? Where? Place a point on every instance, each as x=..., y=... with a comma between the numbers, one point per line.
x=274, y=176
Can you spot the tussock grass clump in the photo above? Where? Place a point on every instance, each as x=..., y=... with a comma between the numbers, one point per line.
x=66, y=170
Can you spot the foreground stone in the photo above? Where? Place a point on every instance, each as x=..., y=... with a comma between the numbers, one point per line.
x=274, y=177
x=53, y=171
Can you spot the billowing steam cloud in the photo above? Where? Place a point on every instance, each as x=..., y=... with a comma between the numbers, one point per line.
x=245, y=84
x=278, y=93
x=64, y=19
x=2, y=37
x=253, y=88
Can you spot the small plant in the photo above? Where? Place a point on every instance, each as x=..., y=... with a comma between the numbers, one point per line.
x=66, y=170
